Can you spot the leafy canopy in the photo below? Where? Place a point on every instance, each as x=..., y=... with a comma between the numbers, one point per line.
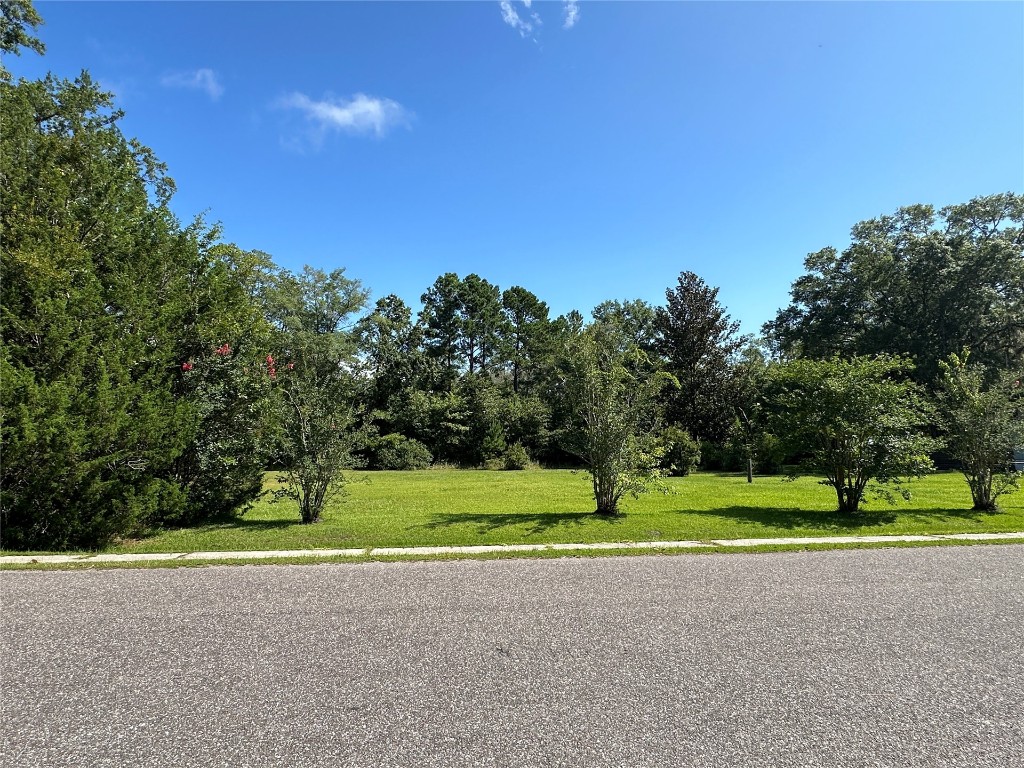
x=856, y=421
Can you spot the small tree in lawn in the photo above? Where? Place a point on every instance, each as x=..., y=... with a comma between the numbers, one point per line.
x=320, y=391
x=857, y=422
x=982, y=424
x=748, y=378
x=613, y=402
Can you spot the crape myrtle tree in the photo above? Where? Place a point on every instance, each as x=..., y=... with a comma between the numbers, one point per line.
x=225, y=336
x=920, y=283
x=611, y=396
x=857, y=421
x=316, y=371
x=982, y=419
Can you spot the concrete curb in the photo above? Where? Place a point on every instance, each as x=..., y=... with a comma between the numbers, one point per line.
x=491, y=548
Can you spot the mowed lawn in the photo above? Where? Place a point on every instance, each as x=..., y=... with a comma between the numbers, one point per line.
x=460, y=507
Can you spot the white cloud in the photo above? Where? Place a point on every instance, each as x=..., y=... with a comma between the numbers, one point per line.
x=572, y=13
x=359, y=115
x=511, y=16
x=200, y=80
x=528, y=24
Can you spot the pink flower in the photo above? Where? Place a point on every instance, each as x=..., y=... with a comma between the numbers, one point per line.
x=291, y=366
x=186, y=366
x=223, y=350
x=270, y=361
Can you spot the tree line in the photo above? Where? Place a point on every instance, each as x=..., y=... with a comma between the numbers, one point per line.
x=150, y=372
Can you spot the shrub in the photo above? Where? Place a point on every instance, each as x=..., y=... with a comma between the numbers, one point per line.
x=681, y=452
x=516, y=457
x=982, y=421
x=396, y=451
x=769, y=454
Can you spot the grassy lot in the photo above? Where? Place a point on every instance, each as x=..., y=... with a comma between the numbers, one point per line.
x=460, y=507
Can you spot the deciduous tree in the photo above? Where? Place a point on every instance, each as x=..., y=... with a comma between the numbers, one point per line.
x=857, y=422
x=983, y=421
x=316, y=369
x=920, y=283
x=612, y=401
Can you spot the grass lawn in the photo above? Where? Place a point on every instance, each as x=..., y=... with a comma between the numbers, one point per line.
x=460, y=507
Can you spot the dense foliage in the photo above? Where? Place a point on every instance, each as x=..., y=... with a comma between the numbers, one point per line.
x=150, y=373
x=983, y=421
x=107, y=301
x=921, y=283
x=614, y=427
x=119, y=412
x=856, y=421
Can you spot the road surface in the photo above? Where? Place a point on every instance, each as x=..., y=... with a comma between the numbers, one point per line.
x=885, y=657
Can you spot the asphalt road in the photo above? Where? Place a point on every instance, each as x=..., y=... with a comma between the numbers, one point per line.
x=886, y=657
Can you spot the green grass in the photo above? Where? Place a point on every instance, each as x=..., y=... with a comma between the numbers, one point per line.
x=460, y=507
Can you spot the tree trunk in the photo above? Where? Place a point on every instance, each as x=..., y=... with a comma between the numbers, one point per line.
x=849, y=500
x=981, y=491
x=750, y=469
x=604, y=494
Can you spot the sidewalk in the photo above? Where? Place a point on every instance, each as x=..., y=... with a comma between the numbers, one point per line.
x=497, y=548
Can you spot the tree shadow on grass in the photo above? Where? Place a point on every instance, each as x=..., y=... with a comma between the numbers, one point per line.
x=257, y=525
x=212, y=526
x=235, y=524
x=535, y=522
x=791, y=518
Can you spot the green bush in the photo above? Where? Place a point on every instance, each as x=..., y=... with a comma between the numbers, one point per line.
x=769, y=454
x=731, y=456
x=681, y=453
x=396, y=451
x=516, y=457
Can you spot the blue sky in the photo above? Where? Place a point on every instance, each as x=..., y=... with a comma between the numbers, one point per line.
x=585, y=161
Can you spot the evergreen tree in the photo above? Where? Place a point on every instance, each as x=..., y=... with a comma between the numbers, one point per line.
x=697, y=341
x=527, y=336
x=94, y=291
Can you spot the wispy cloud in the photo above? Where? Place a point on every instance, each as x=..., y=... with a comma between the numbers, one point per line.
x=360, y=114
x=571, y=8
x=527, y=22
x=511, y=16
x=199, y=80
